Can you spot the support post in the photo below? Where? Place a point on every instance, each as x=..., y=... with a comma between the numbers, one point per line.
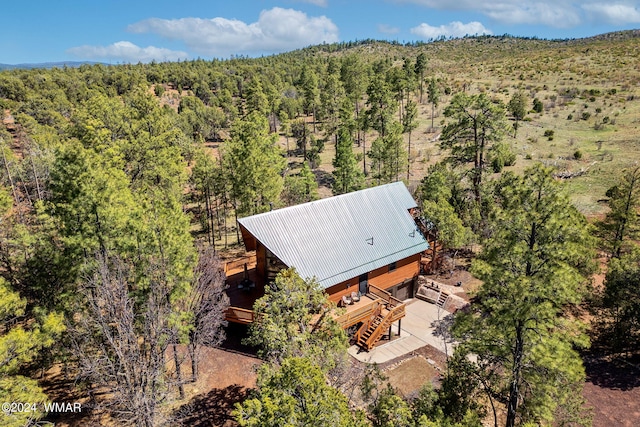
x=399, y=326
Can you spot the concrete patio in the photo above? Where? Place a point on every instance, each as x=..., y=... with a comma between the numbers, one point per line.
x=417, y=330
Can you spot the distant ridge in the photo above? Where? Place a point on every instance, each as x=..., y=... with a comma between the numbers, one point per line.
x=60, y=64
x=370, y=45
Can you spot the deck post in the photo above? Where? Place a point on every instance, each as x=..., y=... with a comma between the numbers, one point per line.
x=399, y=326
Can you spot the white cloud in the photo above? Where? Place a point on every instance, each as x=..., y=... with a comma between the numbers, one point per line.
x=276, y=30
x=127, y=52
x=614, y=13
x=554, y=13
x=453, y=29
x=321, y=3
x=387, y=29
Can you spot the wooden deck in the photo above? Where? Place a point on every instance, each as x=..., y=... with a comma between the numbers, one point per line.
x=359, y=311
x=242, y=298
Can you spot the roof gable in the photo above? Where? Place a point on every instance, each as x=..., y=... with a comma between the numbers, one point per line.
x=341, y=237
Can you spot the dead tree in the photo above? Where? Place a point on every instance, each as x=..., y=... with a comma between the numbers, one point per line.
x=120, y=341
x=207, y=304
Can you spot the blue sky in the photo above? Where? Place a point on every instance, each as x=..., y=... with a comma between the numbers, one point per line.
x=118, y=31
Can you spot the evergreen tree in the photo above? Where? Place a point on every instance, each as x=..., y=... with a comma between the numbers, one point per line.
x=420, y=67
x=476, y=123
x=433, y=96
x=285, y=323
x=409, y=123
x=388, y=155
x=621, y=301
x=518, y=108
x=255, y=98
x=21, y=339
x=347, y=176
x=311, y=93
x=294, y=394
x=331, y=99
x=534, y=268
x=354, y=80
x=254, y=165
x=622, y=222
x=301, y=187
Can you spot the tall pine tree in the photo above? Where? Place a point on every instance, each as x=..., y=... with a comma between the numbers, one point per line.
x=534, y=268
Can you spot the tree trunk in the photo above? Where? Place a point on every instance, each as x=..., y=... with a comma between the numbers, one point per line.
x=176, y=361
x=514, y=388
x=409, y=157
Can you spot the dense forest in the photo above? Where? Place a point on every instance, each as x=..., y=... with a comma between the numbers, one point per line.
x=121, y=185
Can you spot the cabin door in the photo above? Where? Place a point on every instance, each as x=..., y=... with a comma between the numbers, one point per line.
x=364, y=279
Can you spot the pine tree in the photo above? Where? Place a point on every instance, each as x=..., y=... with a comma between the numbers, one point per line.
x=534, y=268
x=295, y=393
x=347, y=175
x=518, y=108
x=254, y=165
x=621, y=301
x=420, y=67
x=622, y=222
x=21, y=339
x=476, y=123
x=285, y=323
x=433, y=95
x=409, y=123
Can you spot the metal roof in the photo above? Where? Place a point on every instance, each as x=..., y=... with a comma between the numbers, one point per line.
x=341, y=237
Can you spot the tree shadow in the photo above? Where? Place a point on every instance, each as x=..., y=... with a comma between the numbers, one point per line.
x=210, y=409
x=616, y=372
x=234, y=336
x=323, y=178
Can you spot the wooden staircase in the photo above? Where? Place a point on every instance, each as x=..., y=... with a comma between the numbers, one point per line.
x=382, y=318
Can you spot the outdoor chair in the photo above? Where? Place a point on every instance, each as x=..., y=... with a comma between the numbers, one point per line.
x=355, y=296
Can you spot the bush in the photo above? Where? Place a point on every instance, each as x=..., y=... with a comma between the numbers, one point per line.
x=577, y=155
x=586, y=115
x=159, y=90
x=537, y=105
x=549, y=134
x=570, y=117
x=501, y=155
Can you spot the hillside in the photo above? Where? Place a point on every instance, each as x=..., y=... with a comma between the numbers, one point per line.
x=114, y=180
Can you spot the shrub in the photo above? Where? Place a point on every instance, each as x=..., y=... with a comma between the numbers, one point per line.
x=586, y=115
x=537, y=105
x=549, y=134
x=159, y=90
x=577, y=155
x=501, y=155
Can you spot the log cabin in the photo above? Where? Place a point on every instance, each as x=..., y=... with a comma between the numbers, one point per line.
x=363, y=248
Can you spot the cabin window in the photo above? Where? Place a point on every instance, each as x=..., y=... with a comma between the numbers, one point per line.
x=393, y=266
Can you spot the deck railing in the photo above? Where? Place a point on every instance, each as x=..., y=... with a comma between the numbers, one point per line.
x=386, y=296
x=239, y=315
x=358, y=315
x=237, y=265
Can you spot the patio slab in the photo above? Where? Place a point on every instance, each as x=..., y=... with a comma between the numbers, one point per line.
x=417, y=330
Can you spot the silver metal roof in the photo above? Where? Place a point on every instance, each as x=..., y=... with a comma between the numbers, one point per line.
x=341, y=237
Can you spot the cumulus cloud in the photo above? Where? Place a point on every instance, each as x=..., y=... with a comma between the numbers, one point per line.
x=617, y=13
x=276, y=30
x=387, y=29
x=127, y=52
x=555, y=13
x=453, y=29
